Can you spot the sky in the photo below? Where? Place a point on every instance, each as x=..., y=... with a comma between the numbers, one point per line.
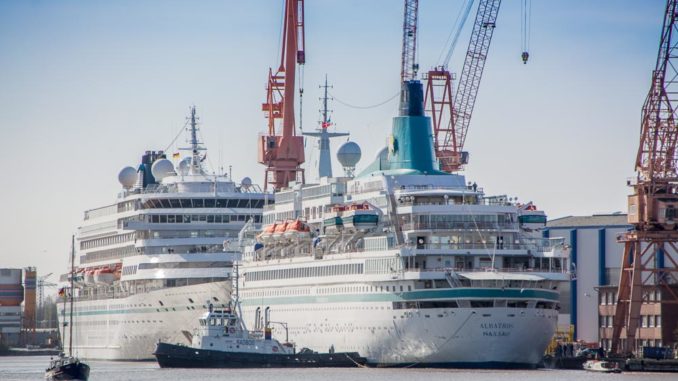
x=87, y=86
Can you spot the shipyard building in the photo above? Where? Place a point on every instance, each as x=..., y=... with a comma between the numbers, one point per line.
x=596, y=257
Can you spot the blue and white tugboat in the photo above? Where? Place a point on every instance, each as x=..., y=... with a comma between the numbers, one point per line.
x=223, y=341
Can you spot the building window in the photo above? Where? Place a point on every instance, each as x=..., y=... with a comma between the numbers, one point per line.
x=644, y=323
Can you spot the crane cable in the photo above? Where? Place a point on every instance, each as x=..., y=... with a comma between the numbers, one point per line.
x=526, y=15
x=364, y=107
x=459, y=23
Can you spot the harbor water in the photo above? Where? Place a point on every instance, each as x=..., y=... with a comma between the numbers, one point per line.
x=32, y=368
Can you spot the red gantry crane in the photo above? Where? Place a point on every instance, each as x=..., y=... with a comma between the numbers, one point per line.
x=451, y=116
x=283, y=153
x=650, y=260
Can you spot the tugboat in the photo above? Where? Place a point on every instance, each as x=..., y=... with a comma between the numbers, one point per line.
x=223, y=341
x=68, y=367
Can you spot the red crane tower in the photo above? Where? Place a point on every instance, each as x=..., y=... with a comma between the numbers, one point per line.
x=283, y=153
x=653, y=206
x=451, y=120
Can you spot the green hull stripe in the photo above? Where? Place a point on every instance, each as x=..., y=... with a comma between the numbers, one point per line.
x=407, y=296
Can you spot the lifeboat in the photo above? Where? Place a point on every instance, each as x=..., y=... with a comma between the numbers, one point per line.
x=531, y=219
x=104, y=276
x=267, y=233
x=360, y=217
x=297, y=229
x=279, y=230
x=79, y=278
x=333, y=223
x=89, y=276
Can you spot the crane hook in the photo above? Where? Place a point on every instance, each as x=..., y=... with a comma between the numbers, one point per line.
x=525, y=56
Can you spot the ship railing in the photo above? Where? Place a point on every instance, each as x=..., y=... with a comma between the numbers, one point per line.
x=534, y=245
x=450, y=225
x=426, y=187
x=485, y=269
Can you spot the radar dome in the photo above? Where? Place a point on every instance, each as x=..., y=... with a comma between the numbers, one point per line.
x=127, y=177
x=162, y=168
x=246, y=182
x=349, y=154
x=184, y=166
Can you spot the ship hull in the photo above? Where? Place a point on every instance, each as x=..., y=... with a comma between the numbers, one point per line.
x=460, y=337
x=128, y=328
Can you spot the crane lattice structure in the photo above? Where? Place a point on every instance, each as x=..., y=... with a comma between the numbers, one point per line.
x=408, y=62
x=283, y=153
x=650, y=260
x=450, y=115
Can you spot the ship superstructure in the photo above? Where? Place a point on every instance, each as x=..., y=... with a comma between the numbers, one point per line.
x=149, y=263
x=406, y=264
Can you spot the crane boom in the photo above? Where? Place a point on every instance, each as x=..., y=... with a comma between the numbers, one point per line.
x=451, y=116
x=408, y=64
x=472, y=72
x=283, y=154
x=653, y=206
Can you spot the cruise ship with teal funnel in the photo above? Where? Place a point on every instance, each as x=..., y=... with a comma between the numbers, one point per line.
x=405, y=264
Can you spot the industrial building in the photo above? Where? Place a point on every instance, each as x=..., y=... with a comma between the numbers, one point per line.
x=595, y=257
x=11, y=297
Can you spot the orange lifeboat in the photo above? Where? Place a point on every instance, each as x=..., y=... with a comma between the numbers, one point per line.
x=89, y=276
x=297, y=229
x=279, y=230
x=267, y=232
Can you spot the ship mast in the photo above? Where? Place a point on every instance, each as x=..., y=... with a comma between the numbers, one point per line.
x=325, y=160
x=70, y=339
x=195, y=145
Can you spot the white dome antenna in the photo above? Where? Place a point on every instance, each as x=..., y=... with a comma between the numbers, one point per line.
x=162, y=168
x=128, y=177
x=349, y=155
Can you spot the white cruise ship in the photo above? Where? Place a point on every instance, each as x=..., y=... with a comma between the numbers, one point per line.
x=404, y=264
x=150, y=263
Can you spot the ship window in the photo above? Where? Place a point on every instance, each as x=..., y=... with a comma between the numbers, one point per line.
x=163, y=219
x=164, y=203
x=225, y=219
x=185, y=203
x=186, y=218
x=217, y=219
x=155, y=219
x=175, y=203
x=198, y=203
x=481, y=303
x=171, y=219
x=232, y=203
x=210, y=219
x=220, y=203
x=209, y=203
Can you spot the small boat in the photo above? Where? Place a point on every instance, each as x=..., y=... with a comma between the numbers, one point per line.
x=68, y=367
x=223, y=341
x=601, y=366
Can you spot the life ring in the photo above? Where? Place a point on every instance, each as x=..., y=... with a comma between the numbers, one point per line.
x=231, y=330
x=275, y=349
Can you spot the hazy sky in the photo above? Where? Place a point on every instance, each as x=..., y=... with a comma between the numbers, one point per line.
x=87, y=86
